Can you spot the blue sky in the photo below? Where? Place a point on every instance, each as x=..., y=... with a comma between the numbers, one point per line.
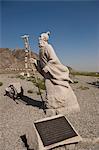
x=74, y=27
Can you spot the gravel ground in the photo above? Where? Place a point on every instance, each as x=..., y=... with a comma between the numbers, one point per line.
x=15, y=119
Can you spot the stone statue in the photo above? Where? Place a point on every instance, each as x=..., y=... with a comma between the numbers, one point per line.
x=60, y=97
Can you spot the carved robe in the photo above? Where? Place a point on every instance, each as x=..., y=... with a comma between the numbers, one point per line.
x=59, y=94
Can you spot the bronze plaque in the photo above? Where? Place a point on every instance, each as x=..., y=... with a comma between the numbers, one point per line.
x=55, y=130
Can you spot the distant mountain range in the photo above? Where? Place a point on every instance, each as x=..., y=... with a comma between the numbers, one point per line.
x=13, y=58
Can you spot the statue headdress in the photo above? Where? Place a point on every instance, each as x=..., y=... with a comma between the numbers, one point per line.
x=44, y=36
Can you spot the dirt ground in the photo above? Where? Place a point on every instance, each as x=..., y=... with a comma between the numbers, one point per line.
x=15, y=118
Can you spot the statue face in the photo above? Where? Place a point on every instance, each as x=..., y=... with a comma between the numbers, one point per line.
x=40, y=43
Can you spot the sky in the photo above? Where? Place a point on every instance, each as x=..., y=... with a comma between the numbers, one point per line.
x=74, y=27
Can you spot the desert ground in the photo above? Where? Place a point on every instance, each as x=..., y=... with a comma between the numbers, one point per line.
x=15, y=118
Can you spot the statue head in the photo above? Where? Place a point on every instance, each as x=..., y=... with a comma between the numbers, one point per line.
x=44, y=36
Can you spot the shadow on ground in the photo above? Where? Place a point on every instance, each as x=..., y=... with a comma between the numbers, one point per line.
x=30, y=101
x=96, y=84
x=24, y=140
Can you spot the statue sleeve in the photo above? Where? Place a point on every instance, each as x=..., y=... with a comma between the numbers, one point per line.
x=51, y=58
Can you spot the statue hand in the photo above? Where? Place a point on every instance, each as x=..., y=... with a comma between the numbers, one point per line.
x=33, y=61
